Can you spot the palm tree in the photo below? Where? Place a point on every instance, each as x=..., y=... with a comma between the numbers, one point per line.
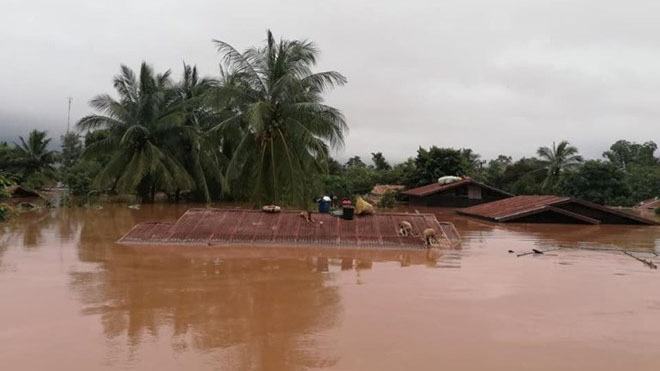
x=33, y=161
x=281, y=130
x=557, y=159
x=141, y=126
x=199, y=151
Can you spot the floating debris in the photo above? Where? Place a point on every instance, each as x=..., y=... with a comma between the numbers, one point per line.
x=537, y=252
x=647, y=262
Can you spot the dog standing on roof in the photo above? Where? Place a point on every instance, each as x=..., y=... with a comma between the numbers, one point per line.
x=405, y=229
x=431, y=237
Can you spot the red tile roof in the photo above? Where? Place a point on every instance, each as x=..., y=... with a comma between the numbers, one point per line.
x=437, y=187
x=516, y=207
x=253, y=227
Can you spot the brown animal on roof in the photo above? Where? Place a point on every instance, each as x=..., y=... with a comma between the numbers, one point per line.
x=430, y=237
x=405, y=228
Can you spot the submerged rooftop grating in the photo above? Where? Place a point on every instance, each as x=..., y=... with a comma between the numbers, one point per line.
x=253, y=227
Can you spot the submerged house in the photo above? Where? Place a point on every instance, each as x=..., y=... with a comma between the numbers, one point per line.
x=650, y=204
x=19, y=194
x=463, y=193
x=551, y=209
x=17, y=191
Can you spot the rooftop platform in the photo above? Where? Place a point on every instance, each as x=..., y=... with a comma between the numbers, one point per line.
x=551, y=209
x=217, y=227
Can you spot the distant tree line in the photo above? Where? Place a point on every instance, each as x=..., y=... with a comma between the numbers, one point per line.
x=628, y=173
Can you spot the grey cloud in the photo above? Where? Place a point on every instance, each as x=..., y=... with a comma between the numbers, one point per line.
x=502, y=77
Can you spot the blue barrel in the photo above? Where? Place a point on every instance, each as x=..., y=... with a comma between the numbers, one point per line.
x=324, y=206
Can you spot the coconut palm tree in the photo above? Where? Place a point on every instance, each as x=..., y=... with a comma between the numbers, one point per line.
x=140, y=125
x=33, y=161
x=199, y=152
x=557, y=159
x=283, y=130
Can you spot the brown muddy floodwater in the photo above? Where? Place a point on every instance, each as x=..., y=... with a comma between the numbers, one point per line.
x=71, y=299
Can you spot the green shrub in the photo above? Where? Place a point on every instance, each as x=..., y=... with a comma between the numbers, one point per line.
x=657, y=210
x=6, y=212
x=387, y=201
x=80, y=177
x=4, y=183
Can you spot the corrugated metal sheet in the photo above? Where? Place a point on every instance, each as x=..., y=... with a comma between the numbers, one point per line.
x=509, y=207
x=240, y=227
x=432, y=188
x=513, y=208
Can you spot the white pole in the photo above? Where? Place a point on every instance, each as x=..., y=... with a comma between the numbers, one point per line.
x=68, y=116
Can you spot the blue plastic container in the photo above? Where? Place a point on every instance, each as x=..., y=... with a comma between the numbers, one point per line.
x=324, y=206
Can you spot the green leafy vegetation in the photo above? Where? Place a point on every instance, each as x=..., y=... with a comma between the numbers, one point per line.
x=30, y=162
x=598, y=181
x=281, y=130
x=5, y=210
x=556, y=160
x=387, y=201
x=260, y=131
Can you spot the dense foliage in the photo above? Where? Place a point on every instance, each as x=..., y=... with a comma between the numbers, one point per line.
x=5, y=210
x=30, y=162
x=559, y=169
x=281, y=131
x=556, y=160
x=260, y=131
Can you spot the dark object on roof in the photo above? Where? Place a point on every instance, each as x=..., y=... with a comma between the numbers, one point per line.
x=551, y=209
x=463, y=193
x=208, y=227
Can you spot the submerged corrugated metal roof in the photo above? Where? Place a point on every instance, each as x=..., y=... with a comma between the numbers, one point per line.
x=437, y=187
x=510, y=209
x=649, y=204
x=235, y=227
x=511, y=206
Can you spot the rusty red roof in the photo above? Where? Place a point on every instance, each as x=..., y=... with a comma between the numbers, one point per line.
x=510, y=209
x=254, y=227
x=437, y=187
x=649, y=204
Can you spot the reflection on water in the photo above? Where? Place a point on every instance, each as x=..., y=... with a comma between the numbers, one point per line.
x=259, y=312
x=82, y=302
x=259, y=315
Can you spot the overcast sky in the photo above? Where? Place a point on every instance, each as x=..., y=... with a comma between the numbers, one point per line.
x=497, y=76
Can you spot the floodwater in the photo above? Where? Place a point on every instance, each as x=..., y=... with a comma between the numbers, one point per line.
x=71, y=299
